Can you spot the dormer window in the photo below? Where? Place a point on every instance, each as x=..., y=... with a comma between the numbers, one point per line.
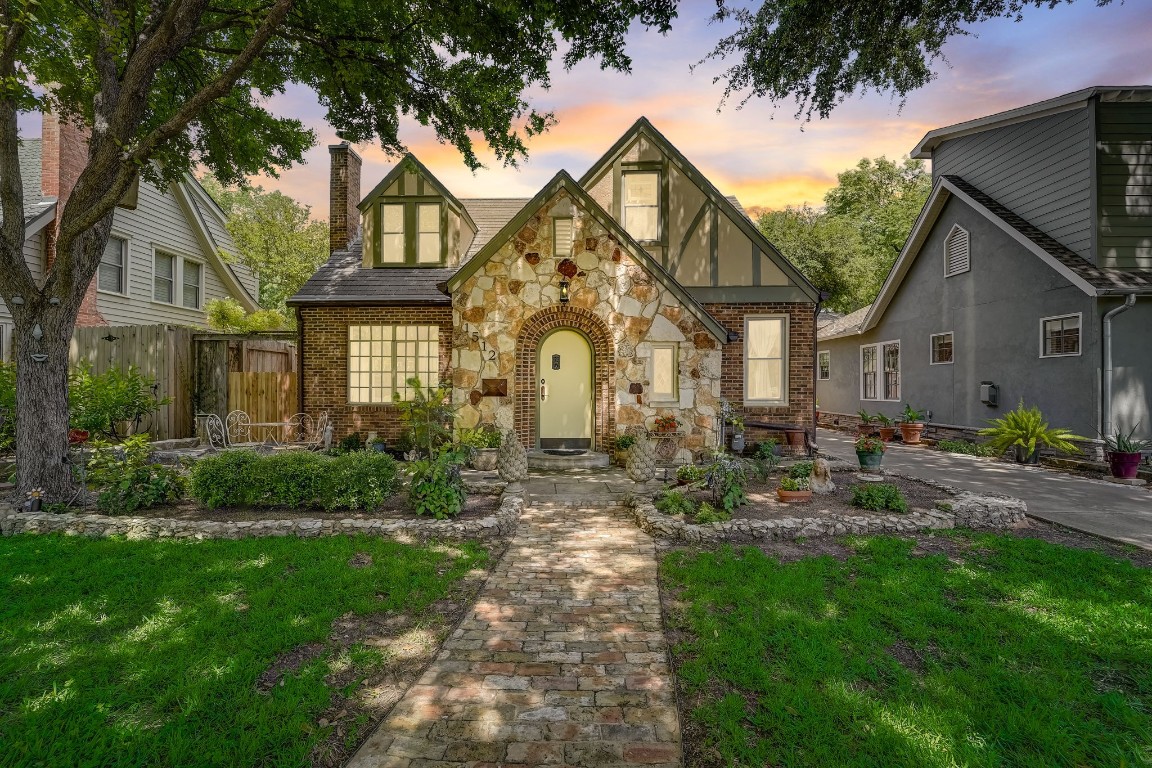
x=411, y=233
x=640, y=192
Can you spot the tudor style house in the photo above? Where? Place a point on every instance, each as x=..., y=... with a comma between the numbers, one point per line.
x=635, y=291
x=1027, y=276
x=163, y=261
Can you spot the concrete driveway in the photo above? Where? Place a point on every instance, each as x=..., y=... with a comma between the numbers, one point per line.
x=1119, y=512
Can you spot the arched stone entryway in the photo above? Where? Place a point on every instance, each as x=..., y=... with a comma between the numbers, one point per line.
x=604, y=370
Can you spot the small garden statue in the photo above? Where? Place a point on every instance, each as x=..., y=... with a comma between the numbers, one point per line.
x=642, y=461
x=512, y=460
x=820, y=481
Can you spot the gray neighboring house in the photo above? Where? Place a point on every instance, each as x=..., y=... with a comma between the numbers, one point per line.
x=1028, y=275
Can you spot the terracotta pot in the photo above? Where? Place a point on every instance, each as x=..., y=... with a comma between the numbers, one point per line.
x=887, y=433
x=910, y=432
x=863, y=430
x=1124, y=465
x=870, y=460
x=793, y=497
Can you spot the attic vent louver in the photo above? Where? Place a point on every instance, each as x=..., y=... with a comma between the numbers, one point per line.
x=956, y=255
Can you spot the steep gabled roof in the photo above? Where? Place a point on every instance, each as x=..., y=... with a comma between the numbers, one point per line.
x=564, y=181
x=731, y=208
x=197, y=204
x=410, y=161
x=490, y=214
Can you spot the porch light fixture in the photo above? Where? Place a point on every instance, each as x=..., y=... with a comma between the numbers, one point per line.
x=563, y=291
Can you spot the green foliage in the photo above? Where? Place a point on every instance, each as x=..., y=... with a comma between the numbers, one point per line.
x=1025, y=429
x=865, y=417
x=673, y=502
x=1123, y=442
x=350, y=443
x=691, y=473
x=127, y=479
x=7, y=405
x=437, y=488
x=101, y=403
x=792, y=483
x=727, y=476
x=624, y=442
x=227, y=315
x=910, y=414
x=967, y=447
x=174, y=637
x=764, y=459
x=878, y=497
x=427, y=416
x=800, y=470
x=481, y=437
x=240, y=478
x=870, y=445
x=707, y=513
x=884, y=420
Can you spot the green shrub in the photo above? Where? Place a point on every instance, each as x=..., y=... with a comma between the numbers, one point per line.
x=691, y=473
x=479, y=438
x=350, y=443
x=800, y=470
x=1025, y=430
x=100, y=402
x=764, y=458
x=878, y=497
x=791, y=483
x=127, y=479
x=672, y=502
x=710, y=514
x=727, y=476
x=966, y=447
x=428, y=415
x=7, y=406
x=227, y=479
x=290, y=479
x=437, y=489
x=361, y=480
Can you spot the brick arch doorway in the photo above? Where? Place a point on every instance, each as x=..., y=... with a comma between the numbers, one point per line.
x=527, y=390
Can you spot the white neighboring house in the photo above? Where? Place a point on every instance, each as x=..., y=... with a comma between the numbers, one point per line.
x=163, y=261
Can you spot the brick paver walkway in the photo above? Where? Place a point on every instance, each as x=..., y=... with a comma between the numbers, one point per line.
x=561, y=662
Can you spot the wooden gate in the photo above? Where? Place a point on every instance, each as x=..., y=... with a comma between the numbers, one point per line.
x=267, y=396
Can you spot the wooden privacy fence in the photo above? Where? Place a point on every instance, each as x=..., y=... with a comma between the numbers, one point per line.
x=266, y=396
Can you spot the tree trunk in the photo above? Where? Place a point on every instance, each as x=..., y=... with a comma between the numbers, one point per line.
x=42, y=402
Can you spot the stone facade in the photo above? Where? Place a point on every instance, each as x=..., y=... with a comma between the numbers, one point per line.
x=503, y=310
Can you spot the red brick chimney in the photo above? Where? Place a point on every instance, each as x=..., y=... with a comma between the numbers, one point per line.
x=63, y=155
x=344, y=195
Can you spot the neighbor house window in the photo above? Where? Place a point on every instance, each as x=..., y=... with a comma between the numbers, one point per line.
x=192, y=282
x=562, y=237
x=880, y=370
x=765, y=360
x=111, y=278
x=823, y=365
x=665, y=372
x=1060, y=336
x=641, y=194
x=428, y=227
x=382, y=358
x=941, y=348
x=392, y=233
x=164, y=277
x=956, y=254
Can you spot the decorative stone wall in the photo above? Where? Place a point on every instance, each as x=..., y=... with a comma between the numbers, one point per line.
x=501, y=312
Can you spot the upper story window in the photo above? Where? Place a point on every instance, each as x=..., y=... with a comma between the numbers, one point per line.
x=163, y=277
x=192, y=283
x=640, y=191
x=765, y=360
x=1060, y=336
x=112, y=277
x=956, y=254
x=411, y=233
x=168, y=272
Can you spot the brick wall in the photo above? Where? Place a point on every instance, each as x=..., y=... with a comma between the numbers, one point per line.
x=801, y=346
x=343, y=196
x=324, y=362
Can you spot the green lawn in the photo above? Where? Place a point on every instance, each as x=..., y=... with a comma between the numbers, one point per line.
x=1014, y=652
x=146, y=653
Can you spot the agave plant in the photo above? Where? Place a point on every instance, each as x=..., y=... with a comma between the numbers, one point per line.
x=1123, y=442
x=1025, y=430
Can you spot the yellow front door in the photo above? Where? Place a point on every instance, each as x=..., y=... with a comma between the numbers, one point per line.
x=564, y=391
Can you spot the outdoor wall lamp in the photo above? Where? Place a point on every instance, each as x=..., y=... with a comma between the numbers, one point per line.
x=563, y=291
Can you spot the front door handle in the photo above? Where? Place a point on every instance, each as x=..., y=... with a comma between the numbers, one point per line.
x=543, y=390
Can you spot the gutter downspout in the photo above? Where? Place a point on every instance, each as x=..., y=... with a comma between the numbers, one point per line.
x=1106, y=400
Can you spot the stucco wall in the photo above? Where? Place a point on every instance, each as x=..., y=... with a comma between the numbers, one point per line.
x=994, y=313
x=1132, y=365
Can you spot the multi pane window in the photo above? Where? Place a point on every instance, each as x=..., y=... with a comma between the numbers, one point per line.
x=562, y=237
x=410, y=233
x=111, y=277
x=191, y=283
x=891, y=356
x=868, y=373
x=1060, y=336
x=164, y=277
x=428, y=233
x=382, y=358
x=823, y=365
x=641, y=193
x=880, y=370
x=392, y=233
x=765, y=359
x=941, y=348
x=665, y=372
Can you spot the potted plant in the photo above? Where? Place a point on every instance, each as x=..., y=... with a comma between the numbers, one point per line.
x=887, y=427
x=911, y=425
x=870, y=452
x=864, y=428
x=793, y=490
x=667, y=424
x=737, y=423
x=377, y=444
x=1124, y=452
x=77, y=436
x=620, y=448
x=483, y=446
x=690, y=474
x=1025, y=430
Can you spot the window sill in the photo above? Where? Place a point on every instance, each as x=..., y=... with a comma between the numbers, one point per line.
x=117, y=294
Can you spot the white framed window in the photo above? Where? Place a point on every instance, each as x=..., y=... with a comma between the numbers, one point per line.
x=823, y=365
x=940, y=345
x=562, y=237
x=164, y=277
x=392, y=233
x=428, y=233
x=382, y=358
x=766, y=360
x=112, y=276
x=640, y=191
x=192, y=283
x=1060, y=336
x=665, y=372
x=957, y=258
x=880, y=371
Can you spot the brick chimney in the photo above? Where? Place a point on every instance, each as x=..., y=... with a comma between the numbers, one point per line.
x=63, y=155
x=344, y=194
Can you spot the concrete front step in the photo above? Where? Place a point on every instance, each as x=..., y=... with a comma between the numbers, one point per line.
x=540, y=459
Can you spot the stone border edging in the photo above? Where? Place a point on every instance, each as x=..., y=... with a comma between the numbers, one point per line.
x=964, y=510
x=503, y=522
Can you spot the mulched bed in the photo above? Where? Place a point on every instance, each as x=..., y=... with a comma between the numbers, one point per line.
x=396, y=508
x=764, y=505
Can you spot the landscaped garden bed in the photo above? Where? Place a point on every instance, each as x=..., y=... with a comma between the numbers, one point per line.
x=938, y=648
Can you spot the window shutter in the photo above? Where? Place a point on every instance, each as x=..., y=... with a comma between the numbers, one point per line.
x=956, y=255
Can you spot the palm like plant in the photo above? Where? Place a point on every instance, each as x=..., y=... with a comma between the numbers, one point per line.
x=1025, y=429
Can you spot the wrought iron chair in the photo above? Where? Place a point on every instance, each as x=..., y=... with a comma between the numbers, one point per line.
x=300, y=427
x=239, y=429
x=215, y=432
x=316, y=439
